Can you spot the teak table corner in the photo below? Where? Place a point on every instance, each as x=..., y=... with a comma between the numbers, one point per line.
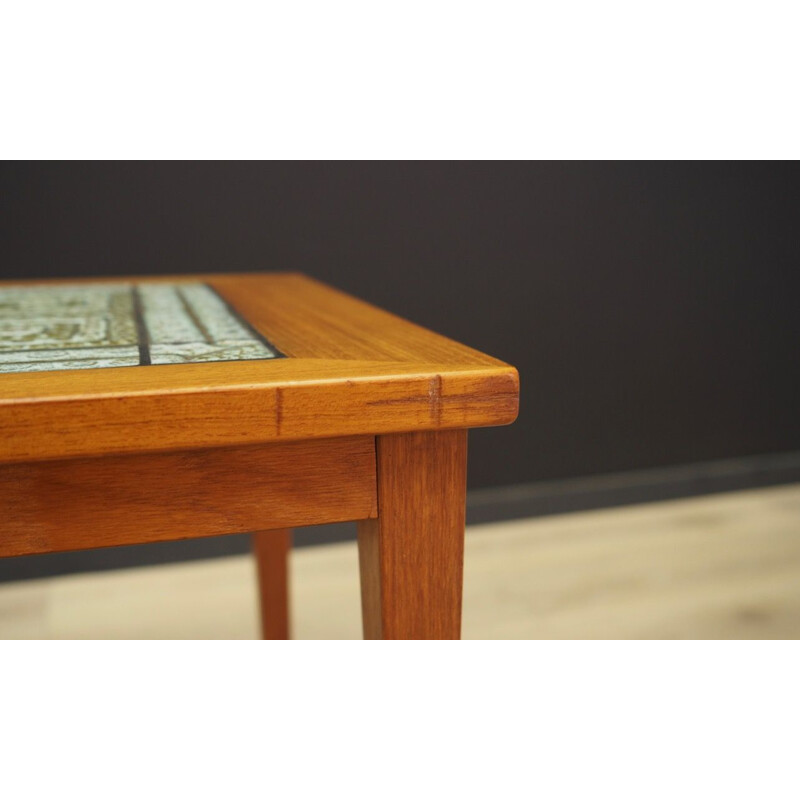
x=299, y=405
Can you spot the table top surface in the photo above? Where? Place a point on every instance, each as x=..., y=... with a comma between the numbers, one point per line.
x=92, y=367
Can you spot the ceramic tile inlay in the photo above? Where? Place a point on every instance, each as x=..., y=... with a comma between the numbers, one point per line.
x=86, y=326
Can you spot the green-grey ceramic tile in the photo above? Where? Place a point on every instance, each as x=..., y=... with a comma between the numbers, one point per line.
x=83, y=326
x=199, y=351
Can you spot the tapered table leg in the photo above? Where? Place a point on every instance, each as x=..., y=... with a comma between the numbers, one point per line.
x=411, y=556
x=271, y=549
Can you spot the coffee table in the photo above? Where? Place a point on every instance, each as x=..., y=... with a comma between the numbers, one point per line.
x=144, y=409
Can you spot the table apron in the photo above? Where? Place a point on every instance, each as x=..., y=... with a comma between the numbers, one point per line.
x=75, y=504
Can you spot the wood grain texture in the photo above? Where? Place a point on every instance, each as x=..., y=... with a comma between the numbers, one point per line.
x=353, y=369
x=99, y=502
x=411, y=556
x=272, y=550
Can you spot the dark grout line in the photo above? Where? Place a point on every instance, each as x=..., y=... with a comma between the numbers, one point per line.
x=141, y=328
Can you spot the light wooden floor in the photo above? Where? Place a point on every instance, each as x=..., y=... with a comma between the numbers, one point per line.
x=722, y=566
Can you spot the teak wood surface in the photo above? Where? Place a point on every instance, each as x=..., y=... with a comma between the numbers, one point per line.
x=366, y=419
x=412, y=556
x=271, y=550
x=82, y=503
x=352, y=369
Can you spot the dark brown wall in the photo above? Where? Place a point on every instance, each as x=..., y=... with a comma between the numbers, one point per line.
x=652, y=309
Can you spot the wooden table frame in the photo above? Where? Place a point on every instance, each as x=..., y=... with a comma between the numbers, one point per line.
x=366, y=419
